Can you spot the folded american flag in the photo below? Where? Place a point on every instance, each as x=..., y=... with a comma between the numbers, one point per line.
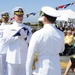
x=18, y=32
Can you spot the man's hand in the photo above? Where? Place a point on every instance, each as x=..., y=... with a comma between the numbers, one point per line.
x=23, y=33
x=25, y=29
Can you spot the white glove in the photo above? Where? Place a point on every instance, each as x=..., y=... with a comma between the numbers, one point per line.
x=23, y=33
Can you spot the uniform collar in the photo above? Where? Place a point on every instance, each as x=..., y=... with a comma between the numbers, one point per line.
x=47, y=25
x=17, y=24
x=3, y=24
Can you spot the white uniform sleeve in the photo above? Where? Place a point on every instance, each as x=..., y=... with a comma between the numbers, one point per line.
x=7, y=36
x=33, y=45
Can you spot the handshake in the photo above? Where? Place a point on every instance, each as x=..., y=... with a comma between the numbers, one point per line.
x=24, y=32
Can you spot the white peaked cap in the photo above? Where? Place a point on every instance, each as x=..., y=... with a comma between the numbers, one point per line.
x=16, y=9
x=4, y=12
x=40, y=19
x=50, y=12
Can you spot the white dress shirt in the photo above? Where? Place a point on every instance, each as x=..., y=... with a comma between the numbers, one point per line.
x=48, y=42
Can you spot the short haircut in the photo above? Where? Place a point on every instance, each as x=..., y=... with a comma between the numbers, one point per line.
x=50, y=18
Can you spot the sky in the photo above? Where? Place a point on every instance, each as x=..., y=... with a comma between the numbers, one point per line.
x=30, y=6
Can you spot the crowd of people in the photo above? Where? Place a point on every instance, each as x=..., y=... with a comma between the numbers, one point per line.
x=24, y=51
x=69, y=41
x=69, y=36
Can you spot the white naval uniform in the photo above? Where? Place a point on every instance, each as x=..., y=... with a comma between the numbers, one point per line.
x=17, y=50
x=3, y=49
x=48, y=42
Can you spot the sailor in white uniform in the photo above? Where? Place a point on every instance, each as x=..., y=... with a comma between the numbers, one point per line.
x=17, y=37
x=3, y=46
x=47, y=42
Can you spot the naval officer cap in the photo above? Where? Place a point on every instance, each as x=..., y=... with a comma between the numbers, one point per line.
x=18, y=11
x=5, y=14
x=49, y=11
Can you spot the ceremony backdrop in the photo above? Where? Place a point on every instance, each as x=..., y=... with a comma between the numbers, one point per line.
x=64, y=6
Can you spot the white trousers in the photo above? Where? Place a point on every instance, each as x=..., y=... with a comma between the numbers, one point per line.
x=16, y=69
x=3, y=64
